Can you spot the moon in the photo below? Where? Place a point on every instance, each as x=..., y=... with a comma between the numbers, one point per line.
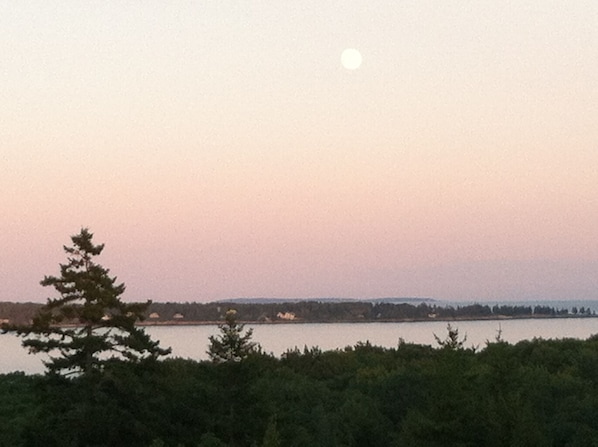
x=351, y=59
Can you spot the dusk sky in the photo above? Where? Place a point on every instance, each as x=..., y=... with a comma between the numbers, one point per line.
x=220, y=149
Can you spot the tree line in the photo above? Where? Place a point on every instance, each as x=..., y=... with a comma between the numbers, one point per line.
x=316, y=312
x=108, y=384
x=533, y=393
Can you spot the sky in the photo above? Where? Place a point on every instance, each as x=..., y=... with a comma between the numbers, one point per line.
x=220, y=149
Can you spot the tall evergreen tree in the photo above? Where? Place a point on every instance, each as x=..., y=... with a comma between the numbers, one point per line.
x=452, y=340
x=232, y=345
x=88, y=325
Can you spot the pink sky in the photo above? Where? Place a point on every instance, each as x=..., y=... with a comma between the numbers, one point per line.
x=221, y=150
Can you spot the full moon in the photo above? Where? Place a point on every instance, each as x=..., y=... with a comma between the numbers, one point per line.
x=351, y=59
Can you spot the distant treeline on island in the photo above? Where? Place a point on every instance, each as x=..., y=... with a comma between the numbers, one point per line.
x=308, y=311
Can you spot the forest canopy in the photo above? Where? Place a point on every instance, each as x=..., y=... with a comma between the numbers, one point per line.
x=534, y=393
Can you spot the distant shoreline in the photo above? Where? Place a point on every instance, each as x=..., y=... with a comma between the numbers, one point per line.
x=314, y=312
x=362, y=321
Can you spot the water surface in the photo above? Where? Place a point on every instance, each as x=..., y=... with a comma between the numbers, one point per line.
x=192, y=341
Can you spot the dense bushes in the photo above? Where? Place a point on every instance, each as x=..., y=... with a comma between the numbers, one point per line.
x=538, y=392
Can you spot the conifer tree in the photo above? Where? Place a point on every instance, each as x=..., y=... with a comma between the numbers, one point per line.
x=452, y=340
x=87, y=325
x=231, y=345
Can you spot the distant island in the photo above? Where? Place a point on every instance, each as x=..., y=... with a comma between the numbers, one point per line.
x=326, y=310
x=395, y=300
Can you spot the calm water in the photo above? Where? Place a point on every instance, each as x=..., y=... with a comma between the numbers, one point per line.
x=192, y=341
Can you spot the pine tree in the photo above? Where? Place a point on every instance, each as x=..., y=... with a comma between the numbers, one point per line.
x=88, y=325
x=452, y=341
x=231, y=345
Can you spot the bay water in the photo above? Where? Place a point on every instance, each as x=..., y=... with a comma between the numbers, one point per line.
x=192, y=341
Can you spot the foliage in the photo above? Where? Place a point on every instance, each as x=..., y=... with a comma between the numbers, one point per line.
x=315, y=311
x=88, y=325
x=210, y=440
x=537, y=392
x=452, y=340
x=232, y=345
x=18, y=404
x=271, y=437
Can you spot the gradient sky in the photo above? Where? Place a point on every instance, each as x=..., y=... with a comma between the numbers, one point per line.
x=220, y=149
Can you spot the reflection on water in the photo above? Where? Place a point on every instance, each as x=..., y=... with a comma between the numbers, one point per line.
x=192, y=341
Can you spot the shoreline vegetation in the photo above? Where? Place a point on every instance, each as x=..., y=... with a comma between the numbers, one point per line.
x=311, y=312
x=412, y=320
x=532, y=393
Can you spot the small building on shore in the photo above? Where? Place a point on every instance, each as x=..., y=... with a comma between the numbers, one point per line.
x=289, y=316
